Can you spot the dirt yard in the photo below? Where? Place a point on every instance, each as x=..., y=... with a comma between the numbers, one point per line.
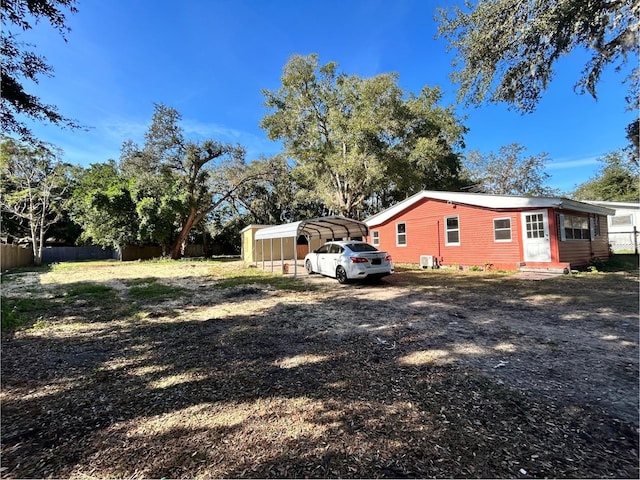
x=208, y=369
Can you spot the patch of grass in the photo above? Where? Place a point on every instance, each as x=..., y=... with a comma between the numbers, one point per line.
x=90, y=291
x=150, y=288
x=80, y=265
x=621, y=263
x=22, y=312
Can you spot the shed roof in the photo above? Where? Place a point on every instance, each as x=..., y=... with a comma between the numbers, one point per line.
x=334, y=226
x=497, y=202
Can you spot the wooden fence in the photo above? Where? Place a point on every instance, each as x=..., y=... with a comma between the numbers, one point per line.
x=75, y=254
x=14, y=256
x=132, y=252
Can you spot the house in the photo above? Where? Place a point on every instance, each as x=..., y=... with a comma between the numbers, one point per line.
x=492, y=231
x=623, y=226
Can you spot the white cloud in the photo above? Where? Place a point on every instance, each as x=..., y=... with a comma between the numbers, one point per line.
x=568, y=164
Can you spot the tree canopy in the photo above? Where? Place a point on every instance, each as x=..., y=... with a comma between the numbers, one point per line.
x=508, y=172
x=176, y=183
x=102, y=205
x=353, y=137
x=19, y=63
x=617, y=180
x=506, y=50
x=33, y=189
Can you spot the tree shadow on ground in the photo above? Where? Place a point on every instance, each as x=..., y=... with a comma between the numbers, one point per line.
x=340, y=386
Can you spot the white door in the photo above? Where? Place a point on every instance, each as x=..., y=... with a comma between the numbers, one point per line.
x=535, y=236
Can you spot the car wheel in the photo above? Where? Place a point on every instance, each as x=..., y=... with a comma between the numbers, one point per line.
x=341, y=274
x=308, y=266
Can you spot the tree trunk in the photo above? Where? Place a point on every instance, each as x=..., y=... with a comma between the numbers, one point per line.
x=177, y=249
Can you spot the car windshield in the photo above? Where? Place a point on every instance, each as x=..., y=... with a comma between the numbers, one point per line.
x=361, y=247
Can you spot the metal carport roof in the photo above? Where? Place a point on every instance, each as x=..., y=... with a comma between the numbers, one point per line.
x=334, y=226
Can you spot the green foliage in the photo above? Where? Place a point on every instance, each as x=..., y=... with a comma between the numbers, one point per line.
x=280, y=195
x=90, y=291
x=617, y=180
x=506, y=49
x=176, y=184
x=352, y=137
x=102, y=205
x=34, y=190
x=150, y=288
x=21, y=312
x=621, y=263
x=508, y=172
x=18, y=63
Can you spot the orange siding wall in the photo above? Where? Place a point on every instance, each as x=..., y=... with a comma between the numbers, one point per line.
x=425, y=230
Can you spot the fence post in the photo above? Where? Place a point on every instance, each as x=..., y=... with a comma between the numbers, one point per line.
x=635, y=240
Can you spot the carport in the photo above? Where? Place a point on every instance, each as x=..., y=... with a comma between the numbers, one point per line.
x=324, y=228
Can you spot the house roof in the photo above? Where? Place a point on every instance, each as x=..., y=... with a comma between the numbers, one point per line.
x=334, y=226
x=496, y=202
x=621, y=205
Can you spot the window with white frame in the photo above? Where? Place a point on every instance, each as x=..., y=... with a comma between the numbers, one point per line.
x=401, y=234
x=375, y=237
x=576, y=228
x=452, y=230
x=621, y=220
x=502, y=229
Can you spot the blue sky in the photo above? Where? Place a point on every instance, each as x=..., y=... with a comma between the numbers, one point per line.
x=210, y=59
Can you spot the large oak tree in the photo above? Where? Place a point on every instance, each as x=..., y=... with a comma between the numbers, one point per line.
x=355, y=139
x=176, y=183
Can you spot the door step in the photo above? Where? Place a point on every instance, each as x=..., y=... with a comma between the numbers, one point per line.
x=550, y=270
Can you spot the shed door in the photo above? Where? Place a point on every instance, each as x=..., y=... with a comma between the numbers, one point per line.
x=535, y=236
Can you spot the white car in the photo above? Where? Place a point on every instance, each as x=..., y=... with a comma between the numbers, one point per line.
x=349, y=260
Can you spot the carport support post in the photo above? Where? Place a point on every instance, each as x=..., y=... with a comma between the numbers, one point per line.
x=262, y=244
x=282, y=253
x=271, y=240
x=295, y=256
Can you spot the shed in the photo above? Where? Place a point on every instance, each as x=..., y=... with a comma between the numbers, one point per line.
x=291, y=241
x=492, y=231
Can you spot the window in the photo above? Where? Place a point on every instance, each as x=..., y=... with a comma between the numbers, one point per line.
x=622, y=220
x=452, y=230
x=401, y=234
x=375, y=237
x=535, y=225
x=335, y=248
x=361, y=247
x=502, y=229
x=323, y=249
x=576, y=228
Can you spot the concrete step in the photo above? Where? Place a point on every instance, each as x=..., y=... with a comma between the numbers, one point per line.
x=550, y=270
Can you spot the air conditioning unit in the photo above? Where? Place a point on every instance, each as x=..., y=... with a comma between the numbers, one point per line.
x=427, y=261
